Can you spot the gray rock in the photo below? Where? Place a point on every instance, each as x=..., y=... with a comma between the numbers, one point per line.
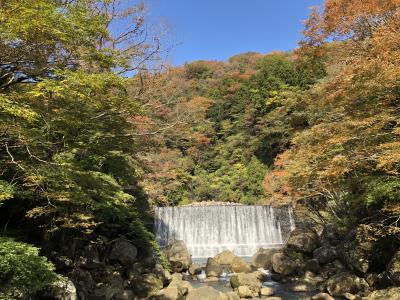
x=246, y=279
x=146, y=285
x=322, y=296
x=194, y=269
x=63, y=289
x=239, y=265
x=342, y=283
x=325, y=254
x=304, y=240
x=301, y=286
x=226, y=257
x=123, y=252
x=263, y=258
x=393, y=268
x=387, y=294
x=178, y=256
x=125, y=295
x=330, y=235
x=205, y=293
x=312, y=265
x=213, y=269
x=283, y=264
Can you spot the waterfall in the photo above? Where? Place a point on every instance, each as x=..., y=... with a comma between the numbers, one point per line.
x=208, y=230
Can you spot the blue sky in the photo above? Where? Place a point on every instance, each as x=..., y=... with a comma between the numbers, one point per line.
x=219, y=29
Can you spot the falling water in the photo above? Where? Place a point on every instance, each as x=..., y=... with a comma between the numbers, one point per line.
x=208, y=230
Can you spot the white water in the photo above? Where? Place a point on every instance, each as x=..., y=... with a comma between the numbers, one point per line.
x=208, y=230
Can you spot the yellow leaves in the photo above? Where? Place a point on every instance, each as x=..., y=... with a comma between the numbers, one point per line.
x=12, y=108
x=389, y=158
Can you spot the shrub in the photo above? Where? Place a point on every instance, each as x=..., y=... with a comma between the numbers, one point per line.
x=22, y=271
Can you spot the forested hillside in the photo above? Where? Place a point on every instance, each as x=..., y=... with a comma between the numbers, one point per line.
x=93, y=135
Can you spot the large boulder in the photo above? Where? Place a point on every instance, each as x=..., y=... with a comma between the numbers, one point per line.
x=263, y=258
x=322, y=296
x=246, y=279
x=387, y=294
x=169, y=293
x=283, y=264
x=245, y=292
x=301, y=286
x=330, y=235
x=206, y=293
x=62, y=289
x=195, y=269
x=393, y=268
x=267, y=291
x=303, y=240
x=239, y=265
x=226, y=257
x=213, y=269
x=357, y=249
x=183, y=286
x=325, y=254
x=178, y=256
x=123, y=252
x=232, y=296
x=146, y=285
x=342, y=283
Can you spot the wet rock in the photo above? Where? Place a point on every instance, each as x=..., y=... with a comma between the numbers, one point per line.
x=182, y=285
x=263, y=258
x=325, y=254
x=123, y=252
x=342, y=283
x=63, y=289
x=213, y=268
x=239, y=265
x=386, y=294
x=178, y=256
x=194, y=269
x=245, y=292
x=146, y=285
x=211, y=279
x=283, y=264
x=304, y=240
x=261, y=276
x=205, y=293
x=322, y=296
x=393, y=268
x=267, y=291
x=226, y=257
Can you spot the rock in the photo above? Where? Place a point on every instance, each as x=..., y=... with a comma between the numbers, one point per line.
x=245, y=292
x=226, y=257
x=357, y=249
x=213, y=269
x=263, y=258
x=301, y=286
x=123, y=252
x=330, y=235
x=232, y=296
x=322, y=296
x=350, y=296
x=183, y=286
x=247, y=279
x=178, y=256
x=304, y=240
x=146, y=285
x=164, y=275
x=393, y=268
x=344, y=282
x=239, y=265
x=194, y=269
x=205, y=293
x=169, y=293
x=261, y=275
x=274, y=298
x=325, y=254
x=283, y=264
x=387, y=294
x=312, y=265
x=267, y=291
x=211, y=279
x=63, y=289
x=125, y=295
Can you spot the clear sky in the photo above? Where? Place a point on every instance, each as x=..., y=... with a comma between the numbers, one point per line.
x=219, y=29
